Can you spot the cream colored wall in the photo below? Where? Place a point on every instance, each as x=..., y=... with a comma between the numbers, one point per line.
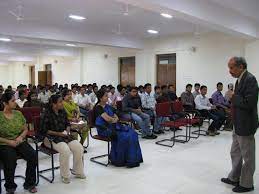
x=208, y=65
x=97, y=68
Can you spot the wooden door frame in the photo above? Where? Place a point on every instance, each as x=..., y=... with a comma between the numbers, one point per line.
x=157, y=63
x=119, y=64
x=30, y=70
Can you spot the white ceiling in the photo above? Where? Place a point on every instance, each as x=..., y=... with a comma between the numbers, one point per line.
x=46, y=22
x=47, y=18
x=17, y=51
x=247, y=8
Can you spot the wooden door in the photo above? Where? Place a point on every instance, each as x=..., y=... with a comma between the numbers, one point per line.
x=171, y=74
x=42, y=78
x=161, y=74
x=32, y=75
x=127, y=71
x=49, y=77
x=166, y=69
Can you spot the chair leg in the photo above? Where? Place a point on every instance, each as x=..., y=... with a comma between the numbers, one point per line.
x=194, y=137
x=52, y=169
x=198, y=132
x=37, y=167
x=167, y=140
x=87, y=145
x=0, y=180
x=94, y=159
x=185, y=137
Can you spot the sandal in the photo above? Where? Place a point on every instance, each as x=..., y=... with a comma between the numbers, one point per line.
x=32, y=189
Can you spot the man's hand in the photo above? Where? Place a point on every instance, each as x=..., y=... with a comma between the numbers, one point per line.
x=231, y=95
x=138, y=111
x=19, y=140
x=63, y=134
x=228, y=110
x=213, y=107
x=75, y=120
x=12, y=143
x=115, y=120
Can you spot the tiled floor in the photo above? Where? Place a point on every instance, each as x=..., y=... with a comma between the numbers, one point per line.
x=193, y=168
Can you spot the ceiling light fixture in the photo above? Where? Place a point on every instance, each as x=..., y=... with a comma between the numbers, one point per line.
x=5, y=39
x=152, y=32
x=69, y=44
x=77, y=17
x=166, y=15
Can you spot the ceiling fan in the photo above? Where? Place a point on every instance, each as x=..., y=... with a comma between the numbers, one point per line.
x=125, y=11
x=119, y=32
x=18, y=12
x=197, y=32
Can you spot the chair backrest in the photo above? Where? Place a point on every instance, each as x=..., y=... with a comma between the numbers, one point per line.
x=30, y=112
x=177, y=106
x=36, y=123
x=91, y=119
x=163, y=109
x=119, y=105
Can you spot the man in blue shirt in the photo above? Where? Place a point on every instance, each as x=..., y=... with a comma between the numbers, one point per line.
x=223, y=105
x=149, y=105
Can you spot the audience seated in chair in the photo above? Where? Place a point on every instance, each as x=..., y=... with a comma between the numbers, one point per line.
x=196, y=90
x=22, y=99
x=187, y=98
x=32, y=100
x=1, y=91
x=93, y=96
x=222, y=104
x=210, y=111
x=51, y=91
x=73, y=115
x=89, y=89
x=149, y=106
x=84, y=102
x=13, y=131
x=112, y=97
x=132, y=104
x=229, y=93
x=74, y=93
x=171, y=93
x=164, y=95
x=43, y=96
x=140, y=90
x=125, y=149
x=55, y=124
x=158, y=92
x=119, y=97
x=120, y=94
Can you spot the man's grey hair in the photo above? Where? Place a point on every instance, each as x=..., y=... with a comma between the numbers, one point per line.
x=240, y=61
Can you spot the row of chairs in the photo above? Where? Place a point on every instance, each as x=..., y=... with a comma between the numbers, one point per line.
x=187, y=120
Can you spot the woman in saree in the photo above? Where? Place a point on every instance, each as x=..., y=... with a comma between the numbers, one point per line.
x=125, y=148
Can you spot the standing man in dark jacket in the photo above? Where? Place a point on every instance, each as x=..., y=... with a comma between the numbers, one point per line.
x=245, y=119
